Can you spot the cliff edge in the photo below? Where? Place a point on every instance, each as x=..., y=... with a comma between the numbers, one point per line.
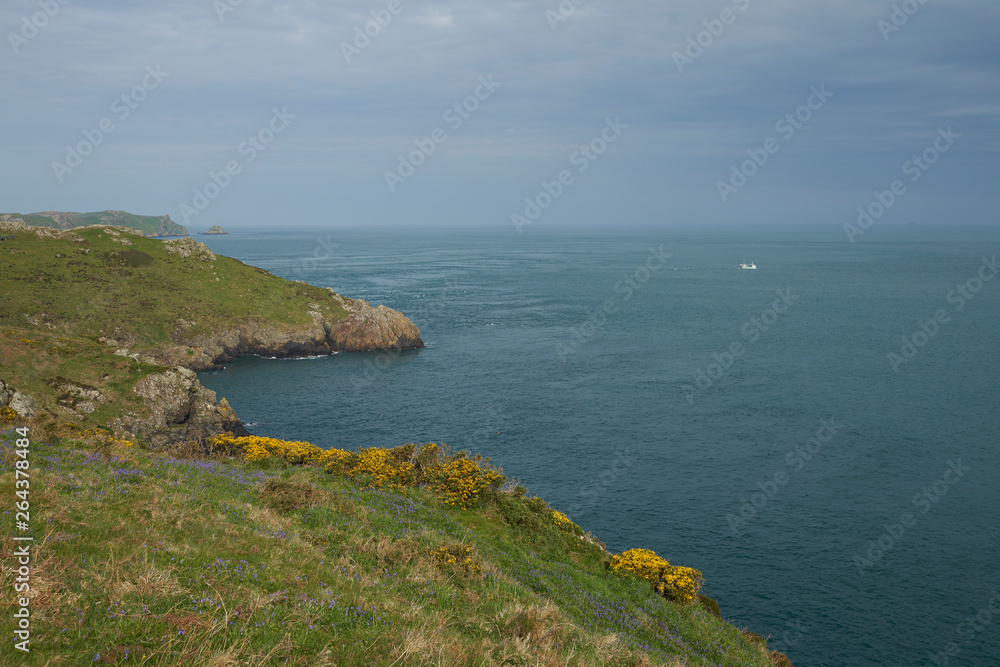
x=102, y=327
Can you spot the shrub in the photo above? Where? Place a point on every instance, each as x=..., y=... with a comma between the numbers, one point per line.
x=8, y=414
x=755, y=639
x=257, y=448
x=563, y=523
x=379, y=467
x=458, y=559
x=463, y=481
x=536, y=505
x=679, y=584
x=779, y=659
x=642, y=562
x=517, y=513
x=340, y=462
x=711, y=605
x=460, y=479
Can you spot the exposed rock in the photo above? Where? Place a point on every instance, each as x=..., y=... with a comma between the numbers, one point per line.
x=20, y=403
x=188, y=247
x=88, y=393
x=377, y=328
x=179, y=409
x=9, y=223
x=365, y=329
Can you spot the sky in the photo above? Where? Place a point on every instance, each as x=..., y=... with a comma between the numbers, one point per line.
x=518, y=115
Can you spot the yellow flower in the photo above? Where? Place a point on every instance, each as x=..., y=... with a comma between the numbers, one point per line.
x=562, y=521
x=680, y=584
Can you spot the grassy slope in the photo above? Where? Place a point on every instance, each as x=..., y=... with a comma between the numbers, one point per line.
x=145, y=559
x=145, y=223
x=76, y=293
x=103, y=286
x=39, y=364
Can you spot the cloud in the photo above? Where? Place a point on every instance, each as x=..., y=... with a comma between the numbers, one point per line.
x=559, y=83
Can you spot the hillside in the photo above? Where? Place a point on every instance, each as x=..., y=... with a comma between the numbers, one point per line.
x=165, y=534
x=269, y=562
x=148, y=225
x=101, y=327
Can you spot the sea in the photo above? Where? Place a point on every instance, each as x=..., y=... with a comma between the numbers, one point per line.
x=818, y=435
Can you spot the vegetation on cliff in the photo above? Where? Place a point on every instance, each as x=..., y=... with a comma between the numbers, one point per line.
x=97, y=326
x=152, y=559
x=147, y=224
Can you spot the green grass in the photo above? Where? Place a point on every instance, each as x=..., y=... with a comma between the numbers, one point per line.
x=140, y=292
x=149, y=560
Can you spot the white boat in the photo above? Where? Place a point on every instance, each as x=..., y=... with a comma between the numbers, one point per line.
x=751, y=265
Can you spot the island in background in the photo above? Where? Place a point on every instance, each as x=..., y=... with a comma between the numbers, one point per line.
x=214, y=229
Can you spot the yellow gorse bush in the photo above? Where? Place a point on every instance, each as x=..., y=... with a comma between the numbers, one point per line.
x=642, y=562
x=461, y=480
x=382, y=467
x=8, y=414
x=257, y=448
x=680, y=584
x=563, y=521
x=459, y=559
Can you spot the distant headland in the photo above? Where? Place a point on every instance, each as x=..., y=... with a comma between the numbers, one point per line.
x=147, y=224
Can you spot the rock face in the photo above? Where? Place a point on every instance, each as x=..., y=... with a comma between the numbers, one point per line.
x=20, y=403
x=188, y=247
x=366, y=329
x=377, y=328
x=180, y=409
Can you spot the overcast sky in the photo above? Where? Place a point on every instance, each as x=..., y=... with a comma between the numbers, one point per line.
x=680, y=90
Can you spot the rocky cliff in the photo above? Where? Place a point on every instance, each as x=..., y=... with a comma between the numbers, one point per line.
x=179, y=409
x=365, y=329
x=95, y=309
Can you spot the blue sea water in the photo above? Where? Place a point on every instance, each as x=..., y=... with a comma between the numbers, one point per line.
x=582, y=363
